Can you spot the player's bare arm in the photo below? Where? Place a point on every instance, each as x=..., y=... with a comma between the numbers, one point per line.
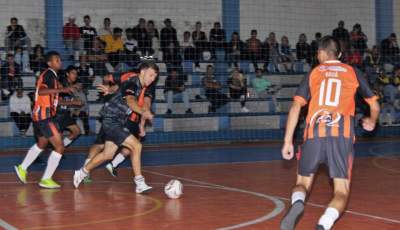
x=293, y=118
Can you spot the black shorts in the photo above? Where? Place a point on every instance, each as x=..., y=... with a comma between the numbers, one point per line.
x=64, y=120
x=115, y=132
x=45, y=128
x=100, y=137
x=335, y=152
x=133, y=128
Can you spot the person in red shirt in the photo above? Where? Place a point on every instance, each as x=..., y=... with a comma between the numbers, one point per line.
x=72, y=36
x=329, y=90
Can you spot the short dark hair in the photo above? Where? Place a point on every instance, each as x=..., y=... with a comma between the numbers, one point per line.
x=186, y=32
x=150, y=22
x=117, y=30
x=149, y=65
x=330, y=45
x=107, y=19
x=70, y=68
x=393, y=35
x=49, y=55
x=318, y=35
x=86, y=17
x=14, y=19
x=253, y=31
x=10, y=55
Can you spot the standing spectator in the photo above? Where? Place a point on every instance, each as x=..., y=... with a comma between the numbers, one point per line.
x=22, y=59
x=254, y=49
x=20, y=110
x=265, y=89
x=217, y=38
x=72, y=36
x=141, y=35
x=238, y=88
x=314, y=49
x=131, y=48
x=114, y=46
x=16, y=36
x=212, y=89
x=187, y=48
x=38, y=63
x=168, y=37
x=390, y=50
x=303, y=50
x=98, y=58
x=273, y=54
x=88, y=33
x=358, y=39
x=340, y=33
x=10, y=77
x=286, y=56
x=175, y=84
x=234, y=50
x=199, y=38
x=154, y=38
x=106, y=29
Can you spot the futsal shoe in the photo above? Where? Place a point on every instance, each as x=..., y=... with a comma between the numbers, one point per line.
x=49, y=183
x=141, y=186
x=110, y=168
x=21, y=173
x=79, y=176
x=289, y=221
x=319, y=227
x=87, y=180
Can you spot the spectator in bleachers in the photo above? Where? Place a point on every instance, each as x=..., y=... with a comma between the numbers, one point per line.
x=141, y=35
x=72, y=37
x=354, y=57
x=85, y=73
x=20, y=110
x=187, y=49
x=175, y=84
x=200, y=41
x=372, y=64
x=237, y=83
x=286, y=56
x=390, y=50
x=114, y=46
x=314, y=49
x=217, y=39
x=154, y=38
x=254, y=49
x=131, y=47
x=303, y=50
x=389, y=91
x=88, y=33
x=265, y=89
x=234, y=50
x=340, y=33
x=271, y=46
x=106, y=29
x=168, y=38
x=16, y=36
x=358, y=39
x=98, y=58
x=10, y=77
x=213, y=92
x=38, y=63
x=22, y=59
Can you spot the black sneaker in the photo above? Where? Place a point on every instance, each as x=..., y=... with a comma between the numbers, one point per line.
x=111, y=170
x=189, y=111
x=168, y=111
x=319, y=227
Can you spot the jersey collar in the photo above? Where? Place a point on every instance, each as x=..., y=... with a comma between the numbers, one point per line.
x=55, y=73
x=332, y=61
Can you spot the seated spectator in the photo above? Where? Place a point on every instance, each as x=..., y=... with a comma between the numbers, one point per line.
x=303, y=50
x=235, y=50
x=212, y=89
x=199, y=38
x=168, y=36
x=372, y=64
x=314, y=49
x=132, y=58
x=22, y=59
x=85, y=74
x=175, y=84
x=286, y=56
x=38, y=63
x=390, y=50
x=16, y=37
x=254, y=48
x=10, y=77
x=154, y=38
x=20, y=110
x=141, y=35
x=237, y=83
x=72, y=37
x=106, y=29
x=114, y=46
x=217, y=39
x=265, y=89
x=358, y=39
x=272, y=55
x=98, y=59
x=88, y=33
x=354, y=58
x=389, y=91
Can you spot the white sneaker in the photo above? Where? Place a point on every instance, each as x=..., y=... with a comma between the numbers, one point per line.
x=111, y=170
x=79, y=176
x=245, y=110
x=141, y=186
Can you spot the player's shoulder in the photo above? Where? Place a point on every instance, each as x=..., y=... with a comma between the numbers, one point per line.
x=334, y=67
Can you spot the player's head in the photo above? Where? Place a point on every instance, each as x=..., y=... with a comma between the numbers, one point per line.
x=53, y=60
x=71, y=73
x=328, y=49
x=148, y=72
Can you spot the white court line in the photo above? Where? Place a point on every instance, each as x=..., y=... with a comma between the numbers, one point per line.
x=284, y=198
x=6, y=225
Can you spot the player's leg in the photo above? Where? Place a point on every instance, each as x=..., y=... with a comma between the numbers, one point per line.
x=118, y=159
x=74, y=132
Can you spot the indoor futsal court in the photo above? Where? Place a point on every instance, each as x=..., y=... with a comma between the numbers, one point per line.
x=200, y=115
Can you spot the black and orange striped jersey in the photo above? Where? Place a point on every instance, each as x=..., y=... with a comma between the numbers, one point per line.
x=45, y=106
x=330, y=89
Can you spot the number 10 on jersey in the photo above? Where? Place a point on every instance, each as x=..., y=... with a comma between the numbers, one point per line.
x=329, y=87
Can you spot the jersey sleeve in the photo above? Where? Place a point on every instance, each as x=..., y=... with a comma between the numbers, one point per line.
x=302, y=94
x=363, y=88
x=130, y=87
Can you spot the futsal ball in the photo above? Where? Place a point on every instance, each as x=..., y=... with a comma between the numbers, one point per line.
x=174, y=189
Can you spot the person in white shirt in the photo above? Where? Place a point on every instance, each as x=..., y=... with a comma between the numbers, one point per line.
x=20, y=110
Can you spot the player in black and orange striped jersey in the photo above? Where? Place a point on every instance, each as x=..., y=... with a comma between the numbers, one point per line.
x=45, y=128
x=329, y=90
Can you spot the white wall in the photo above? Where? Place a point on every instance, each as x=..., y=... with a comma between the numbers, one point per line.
x=125, y=13
x=292, y=17
x=30, y=14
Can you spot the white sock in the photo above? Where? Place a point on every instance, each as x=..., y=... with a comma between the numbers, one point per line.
x=328, y=219
x=52, y=164
x=86, y=161
x=296, y=196
x=139, y=179
x=118, y=159
x=31, y=156
x=67, y=141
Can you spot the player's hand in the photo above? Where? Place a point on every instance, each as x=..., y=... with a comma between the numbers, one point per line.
x=147, y=115
x=368, y=124
x=287, y=151
x=142, y=130
x=105, y=90
x=70, y=90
